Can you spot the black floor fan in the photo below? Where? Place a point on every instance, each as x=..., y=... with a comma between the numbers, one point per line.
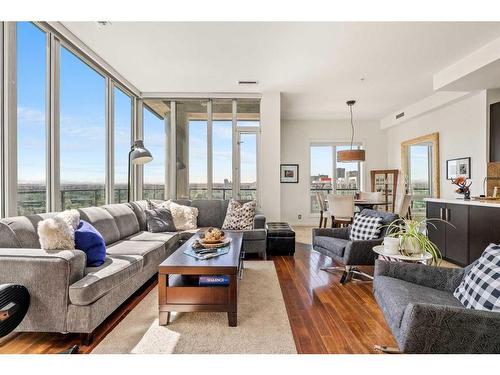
x=14, y=304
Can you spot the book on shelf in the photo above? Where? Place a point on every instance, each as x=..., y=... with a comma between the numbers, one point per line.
x=214, y=280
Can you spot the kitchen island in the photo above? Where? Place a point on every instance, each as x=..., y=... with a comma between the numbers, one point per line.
x=474, y=225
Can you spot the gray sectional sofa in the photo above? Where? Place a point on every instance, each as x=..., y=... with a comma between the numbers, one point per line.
x=67, y=296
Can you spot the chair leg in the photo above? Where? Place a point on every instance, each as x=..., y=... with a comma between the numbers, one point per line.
x=387, y=349
x=325, y=222
x=348, y=273
x=320, y=218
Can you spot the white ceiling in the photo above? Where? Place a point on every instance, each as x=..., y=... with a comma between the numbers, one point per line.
x=317, y=66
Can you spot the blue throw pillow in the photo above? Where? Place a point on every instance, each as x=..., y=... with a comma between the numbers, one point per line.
x=89, y=240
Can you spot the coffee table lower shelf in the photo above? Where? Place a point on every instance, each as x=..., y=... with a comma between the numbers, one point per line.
x=177, y=294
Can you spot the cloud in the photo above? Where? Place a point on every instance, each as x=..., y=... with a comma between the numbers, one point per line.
x=30, y=116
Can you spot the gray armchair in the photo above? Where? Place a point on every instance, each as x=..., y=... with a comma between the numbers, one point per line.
x=335, y=243
x=418, y=304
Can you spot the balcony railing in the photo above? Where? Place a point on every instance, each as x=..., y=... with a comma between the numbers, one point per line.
x=34, y=201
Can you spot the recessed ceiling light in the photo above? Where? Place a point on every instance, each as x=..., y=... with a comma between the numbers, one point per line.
x=247, y=82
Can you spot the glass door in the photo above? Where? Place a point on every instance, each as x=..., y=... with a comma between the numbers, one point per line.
x=247, y=161
x=420, y=176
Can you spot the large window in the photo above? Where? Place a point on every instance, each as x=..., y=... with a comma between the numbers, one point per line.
x=217, y=145
x=122, y=139
x=155, y=142
x=31, y=119
x=329, y=176
x=82, y=133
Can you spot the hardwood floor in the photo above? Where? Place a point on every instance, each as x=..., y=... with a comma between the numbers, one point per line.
x=325, y=317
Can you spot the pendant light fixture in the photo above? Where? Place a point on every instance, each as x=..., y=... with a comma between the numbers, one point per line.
x=351, y=156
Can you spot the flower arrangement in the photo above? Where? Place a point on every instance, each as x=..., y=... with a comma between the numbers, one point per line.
x=463, y=186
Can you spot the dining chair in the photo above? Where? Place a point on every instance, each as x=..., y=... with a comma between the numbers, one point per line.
x=323, y=211
x=402, y=206
x=341, y=209
x=371, y=196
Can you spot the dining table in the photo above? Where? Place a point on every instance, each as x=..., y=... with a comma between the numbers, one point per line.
x=363, y=203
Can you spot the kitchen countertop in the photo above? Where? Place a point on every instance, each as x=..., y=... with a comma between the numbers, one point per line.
x=472, y=202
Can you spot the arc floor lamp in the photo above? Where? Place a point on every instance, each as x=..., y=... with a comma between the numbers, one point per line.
x=138, y=155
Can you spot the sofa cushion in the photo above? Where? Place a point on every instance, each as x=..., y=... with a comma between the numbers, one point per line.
x=125, y=218
x=102, y=221
x=98, y=281
x=394, y=295
x=148, y=236
x=25, y=229
x=8, y=238
x=331, y=244
x=151, y=251
x=209, y=212
x=139, y=207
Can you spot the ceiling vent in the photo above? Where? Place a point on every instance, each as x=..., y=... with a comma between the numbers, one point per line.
x=247, y=82
x=103, y=23
x=399, y=115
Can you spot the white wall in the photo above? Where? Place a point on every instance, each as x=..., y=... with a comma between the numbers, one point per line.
x=296, y=137
x=269, y=162
x=462, y=128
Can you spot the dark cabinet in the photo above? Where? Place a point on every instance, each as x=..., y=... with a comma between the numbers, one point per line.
x=435, y=228
x=451, y=235
x=484, y=229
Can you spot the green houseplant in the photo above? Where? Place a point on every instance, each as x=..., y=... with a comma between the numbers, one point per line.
x=413, y=239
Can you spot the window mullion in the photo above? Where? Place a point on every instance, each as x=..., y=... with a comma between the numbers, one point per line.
x=110, y=149
x=209, y=150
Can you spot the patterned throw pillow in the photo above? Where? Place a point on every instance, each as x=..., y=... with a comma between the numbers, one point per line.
x=239, y=216
x=480, y=287
x=160, y=220
x=365, y=228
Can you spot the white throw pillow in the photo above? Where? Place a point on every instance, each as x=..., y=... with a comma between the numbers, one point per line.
x=185, y=217
x=239, y=216
x=58, y=232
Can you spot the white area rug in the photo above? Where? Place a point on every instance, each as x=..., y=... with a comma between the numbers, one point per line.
x=263, y=325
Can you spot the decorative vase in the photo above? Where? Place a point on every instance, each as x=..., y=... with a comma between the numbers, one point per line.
x=410, y=245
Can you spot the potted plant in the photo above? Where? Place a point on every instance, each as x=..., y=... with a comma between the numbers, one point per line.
x=413, y=238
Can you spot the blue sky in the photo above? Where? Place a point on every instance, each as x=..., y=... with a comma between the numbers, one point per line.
x=82, y=125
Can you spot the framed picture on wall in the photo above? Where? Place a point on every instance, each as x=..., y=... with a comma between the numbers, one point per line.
x=458, y=167
x=289, y=173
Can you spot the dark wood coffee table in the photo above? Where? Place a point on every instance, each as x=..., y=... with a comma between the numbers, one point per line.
x=178, y=288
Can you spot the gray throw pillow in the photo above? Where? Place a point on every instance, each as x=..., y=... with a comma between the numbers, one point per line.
x=159, y=220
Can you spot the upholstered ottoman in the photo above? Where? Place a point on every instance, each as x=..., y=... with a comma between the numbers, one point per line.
x=280, y=239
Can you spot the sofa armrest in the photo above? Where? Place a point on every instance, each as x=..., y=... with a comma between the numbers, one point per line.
x=47, y=275
x=342, y=233
x=429, y=328
x=361, y=252
x=259, y=222
x=430, y=276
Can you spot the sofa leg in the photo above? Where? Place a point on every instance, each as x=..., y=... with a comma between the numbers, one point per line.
x=86, y=338
x=348, y=273
x=387, y=349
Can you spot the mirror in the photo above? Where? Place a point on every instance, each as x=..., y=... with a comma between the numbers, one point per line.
x=420, y=169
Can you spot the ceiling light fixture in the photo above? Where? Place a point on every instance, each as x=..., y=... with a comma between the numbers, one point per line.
x=103, y=23
x=351, y=156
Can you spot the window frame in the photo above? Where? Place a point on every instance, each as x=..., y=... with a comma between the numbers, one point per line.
x=55, y=38
x=333, y=145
